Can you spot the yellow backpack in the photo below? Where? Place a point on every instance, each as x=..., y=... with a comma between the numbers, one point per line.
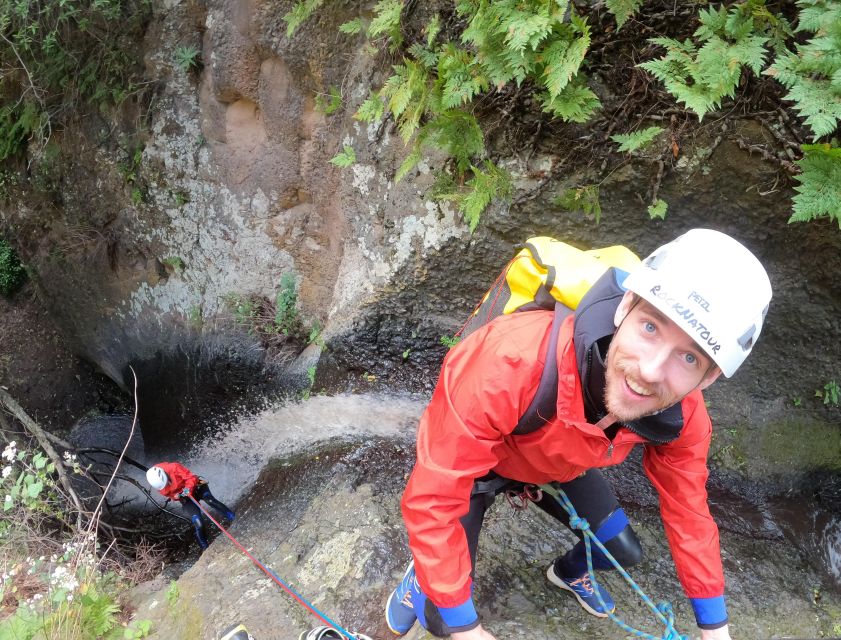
x=543, y=272
x=553, y=275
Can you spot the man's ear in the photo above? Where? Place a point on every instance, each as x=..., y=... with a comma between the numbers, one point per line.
x=709, y=378
x=624, y=308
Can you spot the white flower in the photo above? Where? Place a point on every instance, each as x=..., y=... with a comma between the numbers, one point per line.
x=8, y=498
x=7, y=471
x=9, y=452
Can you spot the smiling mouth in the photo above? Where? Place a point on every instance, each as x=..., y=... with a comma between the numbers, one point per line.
x=638, y=388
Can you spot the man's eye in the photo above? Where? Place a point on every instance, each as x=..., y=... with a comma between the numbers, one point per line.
x=691, y=358
x=649, y=327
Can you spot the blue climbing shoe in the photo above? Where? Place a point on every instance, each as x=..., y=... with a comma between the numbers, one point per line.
x=230, y=515
x=399, y=613
x=584, y=591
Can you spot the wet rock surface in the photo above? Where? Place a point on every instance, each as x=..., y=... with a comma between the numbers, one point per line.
x=327, y=521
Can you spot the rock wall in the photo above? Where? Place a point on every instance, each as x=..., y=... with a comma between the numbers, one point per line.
x=214, y=184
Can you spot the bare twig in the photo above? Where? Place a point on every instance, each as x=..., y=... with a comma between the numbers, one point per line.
x=93, y=524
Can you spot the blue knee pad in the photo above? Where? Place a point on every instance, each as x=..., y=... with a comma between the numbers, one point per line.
x=616, y=534
x=443, y=621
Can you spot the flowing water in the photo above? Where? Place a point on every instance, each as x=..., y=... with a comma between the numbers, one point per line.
x=231, y=455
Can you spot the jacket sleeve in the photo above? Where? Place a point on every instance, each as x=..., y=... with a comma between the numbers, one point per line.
x=679, y=472
x=482, y=390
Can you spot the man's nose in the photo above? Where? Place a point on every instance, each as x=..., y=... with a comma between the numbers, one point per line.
x=652, y=365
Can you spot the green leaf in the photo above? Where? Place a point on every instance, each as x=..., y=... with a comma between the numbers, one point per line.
x=623, y=9
x=819, y=191
x=344, y=159
x=34, y=489
x=351, y=27
x=328, y=104
x=39, y=460
x=658, y=209
x=408, y=164
x=636, y=140
x=387, y=21
x=584, y=199
x=432, y=30
x=484, y=187
x=299, y=14
x=371, y=110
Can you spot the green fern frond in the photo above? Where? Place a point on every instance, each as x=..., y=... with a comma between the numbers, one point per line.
x=562, y=61
x=713, y=22
x=345, y=158
x=456, y=132
x=812, y=74
x=636, y=140
x=387, y=21
x=432, y=29
x=622, y=10
x=584, y=199
x=484, y=187
x=371, y=110
x=819, y=191
x=575, y=103
x=299, y=14
x=409, y=163
x=351, y=27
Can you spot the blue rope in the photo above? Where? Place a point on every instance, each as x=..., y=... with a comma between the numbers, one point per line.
x=662, y=611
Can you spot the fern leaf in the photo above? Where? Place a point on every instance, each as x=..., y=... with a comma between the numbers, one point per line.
x=351, y=27
x=563, y=60
x=819, y=191
x=387, y=21
x=484, y=187
x=622, y=10
x=409, y=163
x=636, y=140
x=584, y=199
x=371, y=110
x=432, y=29
x=576, y=102
x=658, y=209
x=345, y=158
x=299, y=14
x=713, y=22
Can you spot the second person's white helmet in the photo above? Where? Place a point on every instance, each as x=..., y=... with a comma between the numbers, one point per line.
x=710, y=286
x=156, y=477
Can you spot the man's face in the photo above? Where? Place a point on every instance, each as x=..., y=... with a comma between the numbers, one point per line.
x=651, y=363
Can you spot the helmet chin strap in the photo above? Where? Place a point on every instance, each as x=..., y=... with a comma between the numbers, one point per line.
x=605, y=422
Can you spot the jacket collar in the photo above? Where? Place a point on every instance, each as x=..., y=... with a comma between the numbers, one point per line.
x=591, y=336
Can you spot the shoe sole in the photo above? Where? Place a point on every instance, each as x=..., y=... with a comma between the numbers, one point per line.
x=554, y=579
x=388, y=607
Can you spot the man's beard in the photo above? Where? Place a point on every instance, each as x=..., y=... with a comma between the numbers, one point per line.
x=614, y=392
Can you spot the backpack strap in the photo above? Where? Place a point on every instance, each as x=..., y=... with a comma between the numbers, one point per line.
x=543, y=406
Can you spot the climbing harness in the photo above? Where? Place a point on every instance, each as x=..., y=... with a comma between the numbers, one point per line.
x=662, y=611
x=340, y=632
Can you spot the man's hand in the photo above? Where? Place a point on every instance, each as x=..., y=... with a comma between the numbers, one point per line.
x=722, y=633
x=474, y=634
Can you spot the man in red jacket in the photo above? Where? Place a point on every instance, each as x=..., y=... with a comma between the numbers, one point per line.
x=631, y=365
x=176, y=482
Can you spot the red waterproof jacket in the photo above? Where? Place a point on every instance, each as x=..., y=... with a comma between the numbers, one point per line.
x=486, y=384
x=179, y=477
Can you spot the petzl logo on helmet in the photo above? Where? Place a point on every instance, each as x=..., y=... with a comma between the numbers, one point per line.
x=696, y=329
x=703, y=303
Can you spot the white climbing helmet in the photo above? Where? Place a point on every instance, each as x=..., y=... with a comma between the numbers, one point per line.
x=712, y=287
x=156, y=477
